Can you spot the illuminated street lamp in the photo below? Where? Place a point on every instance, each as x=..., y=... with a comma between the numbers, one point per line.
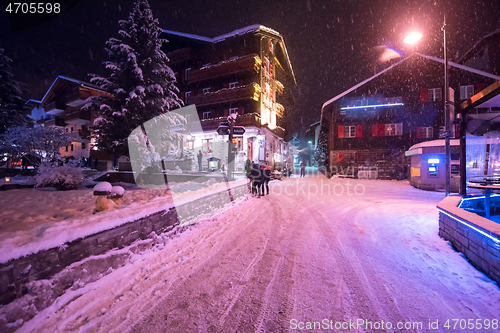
x=412, y=38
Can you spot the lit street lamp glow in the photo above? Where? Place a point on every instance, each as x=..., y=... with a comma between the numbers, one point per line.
x=412, y=38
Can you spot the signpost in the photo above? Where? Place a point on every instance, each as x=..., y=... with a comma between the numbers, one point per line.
x=228, y=128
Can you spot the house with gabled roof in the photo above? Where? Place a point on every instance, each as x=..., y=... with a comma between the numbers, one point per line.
x=62, y=104
x=246, y=72
x=370, y=125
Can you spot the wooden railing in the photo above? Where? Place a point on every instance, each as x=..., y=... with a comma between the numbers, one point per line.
x=246, y=63
x=227, y=95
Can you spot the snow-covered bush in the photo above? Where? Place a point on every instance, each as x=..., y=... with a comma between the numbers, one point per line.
x=61, y=177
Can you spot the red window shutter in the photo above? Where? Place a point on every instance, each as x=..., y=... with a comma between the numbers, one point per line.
x=457, y=131
x=226, y=112
x=241, y=110
x=419, y=132
x=341, y=157
x=374, y=130
x=241, y=82
x=424, y=95
x=359, y=131
x=381, y=129
x=341, y=131
x=182, y=96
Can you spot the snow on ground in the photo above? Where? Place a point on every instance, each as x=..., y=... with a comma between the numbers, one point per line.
x=42, y=218
x=314, y=249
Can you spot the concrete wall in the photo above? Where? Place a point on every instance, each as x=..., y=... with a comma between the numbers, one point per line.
x=45, y=264
x=479, y=243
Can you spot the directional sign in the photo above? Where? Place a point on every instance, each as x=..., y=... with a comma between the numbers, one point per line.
x=238, y=130
x=223, y=130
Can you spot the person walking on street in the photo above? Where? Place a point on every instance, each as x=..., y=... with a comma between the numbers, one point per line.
x=303, y=168
x=248, y=174
x=256, y=176
x=266, y=177
x=200, y=160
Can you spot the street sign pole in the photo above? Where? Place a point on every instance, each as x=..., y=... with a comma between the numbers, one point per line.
x=230, y=157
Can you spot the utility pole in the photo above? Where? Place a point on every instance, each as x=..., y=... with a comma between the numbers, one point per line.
x=447, y=121
x=230, y=156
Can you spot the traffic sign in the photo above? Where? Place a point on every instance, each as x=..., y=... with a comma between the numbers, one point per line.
x=238, y=130
x=223, y=130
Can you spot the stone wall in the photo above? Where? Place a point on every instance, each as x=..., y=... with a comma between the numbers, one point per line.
x=45, y=264
x=479, y=244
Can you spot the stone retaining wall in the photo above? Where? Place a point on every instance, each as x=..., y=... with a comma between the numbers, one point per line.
x=478, y=240
x=45, y=264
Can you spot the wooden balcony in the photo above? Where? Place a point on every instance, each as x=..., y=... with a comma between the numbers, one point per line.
x=245, y=120
x=55, y=107
x=56, y=121
x=179, y=55
x=78, y=117
x=279, y=87
x=251, y=91
x=248, y=63
x=77, y=97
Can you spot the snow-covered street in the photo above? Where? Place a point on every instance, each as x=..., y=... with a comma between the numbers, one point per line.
x=285, y=261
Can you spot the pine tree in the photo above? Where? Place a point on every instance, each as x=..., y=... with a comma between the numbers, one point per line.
x=142, y=85
x=11, y=104
x=321, y=153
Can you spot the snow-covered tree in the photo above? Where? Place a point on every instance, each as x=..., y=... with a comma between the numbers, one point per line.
x=36, y=143
x=11, y=104
x=321, y=153
x=142, y=85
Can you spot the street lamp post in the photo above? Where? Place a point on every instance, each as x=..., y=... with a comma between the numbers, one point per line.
x=411, y=39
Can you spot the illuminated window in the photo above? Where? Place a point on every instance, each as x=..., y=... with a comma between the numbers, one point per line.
x=206, y=115
x=206, y=90
x=233, y=85
x=233, y=110
x=187, y=96
x=394, y=129
x=186, y=72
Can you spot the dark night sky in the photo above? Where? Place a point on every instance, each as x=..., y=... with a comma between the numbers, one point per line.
x=330, y=43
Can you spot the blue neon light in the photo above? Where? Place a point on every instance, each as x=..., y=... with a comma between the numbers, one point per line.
x=370, y=106
x=478, y=197
x=470, y=226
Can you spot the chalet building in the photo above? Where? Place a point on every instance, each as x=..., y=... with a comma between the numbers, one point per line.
x=372, y=124
x=246, y=72
x=62, y=105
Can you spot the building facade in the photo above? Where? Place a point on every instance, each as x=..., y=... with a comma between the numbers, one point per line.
x=246, y=72
x=372, y=124
x=62, y=105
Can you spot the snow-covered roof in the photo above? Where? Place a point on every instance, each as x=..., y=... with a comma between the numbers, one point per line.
x=465, y=68
x=434, y=143
x=482, y=40
x=452, y=64
x=237, y=32
x=68, y=79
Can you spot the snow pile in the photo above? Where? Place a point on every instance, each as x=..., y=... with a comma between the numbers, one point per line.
x=45, y=218
x=63, y=177
x=103, y=187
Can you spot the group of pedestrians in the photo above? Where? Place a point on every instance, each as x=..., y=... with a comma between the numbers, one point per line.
x=258, y=176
